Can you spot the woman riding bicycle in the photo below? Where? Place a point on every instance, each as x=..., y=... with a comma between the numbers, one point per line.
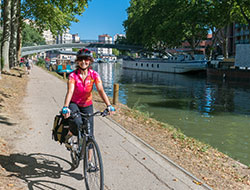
x=79, y=93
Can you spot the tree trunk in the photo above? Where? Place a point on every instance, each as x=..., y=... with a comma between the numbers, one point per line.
x=225, y=43
x=214, y=39
x=6, y=35
x=1, y=43
x=13, y=37
x=19, y=33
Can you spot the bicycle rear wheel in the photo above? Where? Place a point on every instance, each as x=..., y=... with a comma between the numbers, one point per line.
x=93, y=167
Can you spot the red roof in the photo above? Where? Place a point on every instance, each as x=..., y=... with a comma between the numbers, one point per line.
x=104, y=35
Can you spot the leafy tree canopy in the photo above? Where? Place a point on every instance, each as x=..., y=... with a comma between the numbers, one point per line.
x=31, y=36
x=158, y=24
x=55, y=15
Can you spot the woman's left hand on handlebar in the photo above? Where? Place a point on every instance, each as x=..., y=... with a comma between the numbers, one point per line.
x=111, y=109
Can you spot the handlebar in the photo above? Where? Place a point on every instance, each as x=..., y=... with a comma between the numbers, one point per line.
x=88, y=115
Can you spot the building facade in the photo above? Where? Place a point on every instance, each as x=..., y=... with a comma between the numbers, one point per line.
x=235, y=34
x=106, y=39
x=49, y=38
x=201, y=48
x=75, y=38
x=64, y=38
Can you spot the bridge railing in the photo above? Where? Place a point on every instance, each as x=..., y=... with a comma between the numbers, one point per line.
x=83, y=43
x=53, y=42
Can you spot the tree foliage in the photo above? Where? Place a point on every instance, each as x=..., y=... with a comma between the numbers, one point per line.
x=31, y=36
x=242, y=11
x=161, y=24
x=53, y=15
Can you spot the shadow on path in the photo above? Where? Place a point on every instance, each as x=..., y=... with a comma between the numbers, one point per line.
x=5, y=121
x=31, y=166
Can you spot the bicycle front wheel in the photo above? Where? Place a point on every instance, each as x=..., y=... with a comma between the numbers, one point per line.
x=93, y=167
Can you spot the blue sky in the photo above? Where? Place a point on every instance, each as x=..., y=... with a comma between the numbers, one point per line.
x=101, y=17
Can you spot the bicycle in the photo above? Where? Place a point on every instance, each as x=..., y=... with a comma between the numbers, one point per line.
x=85, y=147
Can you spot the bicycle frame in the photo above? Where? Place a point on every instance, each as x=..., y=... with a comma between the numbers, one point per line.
x=84, y=131
x=83, y=135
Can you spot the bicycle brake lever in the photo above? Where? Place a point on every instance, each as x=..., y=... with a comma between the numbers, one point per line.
x=105, y=113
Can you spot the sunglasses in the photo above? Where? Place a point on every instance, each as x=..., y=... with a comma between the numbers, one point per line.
x=84, y=58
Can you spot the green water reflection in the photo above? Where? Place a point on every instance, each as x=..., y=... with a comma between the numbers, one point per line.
x=213, y=112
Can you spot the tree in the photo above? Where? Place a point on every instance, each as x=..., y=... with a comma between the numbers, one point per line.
x=55, y=15
x=121, y=40
x=219, y=18
x=136, y=22
x=159, y=24
x=31, y=36
x=242, y=7
x=1, y=33
x=194, y=23
x=13, y=36
x=19, y=32
x=116, y=52
x=6, y=35
x=241, y=13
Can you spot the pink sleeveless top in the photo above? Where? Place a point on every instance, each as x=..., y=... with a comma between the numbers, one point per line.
x=82, y=94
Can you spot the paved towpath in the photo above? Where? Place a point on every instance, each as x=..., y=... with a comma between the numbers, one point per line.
x=129, y=164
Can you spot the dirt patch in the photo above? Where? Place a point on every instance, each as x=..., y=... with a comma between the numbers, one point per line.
x=12, y=91
x=215, y=168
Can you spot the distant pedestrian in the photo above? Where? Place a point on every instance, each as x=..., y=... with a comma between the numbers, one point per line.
x=28, y=64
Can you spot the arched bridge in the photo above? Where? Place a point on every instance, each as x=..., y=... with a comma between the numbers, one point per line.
x=83, y=44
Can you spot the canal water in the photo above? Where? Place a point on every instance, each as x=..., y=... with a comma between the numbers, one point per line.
x=215, y=112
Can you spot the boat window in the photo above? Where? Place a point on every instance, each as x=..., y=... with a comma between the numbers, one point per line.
x=157, y=65
x=136, y=64
x=142, y=64
x=147, y=65
x=152, y=65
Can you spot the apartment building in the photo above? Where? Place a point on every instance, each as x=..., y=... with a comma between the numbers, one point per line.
x=203, y=44
x=64, y=38
x=106, y=39
x=49, y=38
x=75, y=38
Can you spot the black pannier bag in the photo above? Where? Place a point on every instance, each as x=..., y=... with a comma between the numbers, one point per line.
x=60, y=129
